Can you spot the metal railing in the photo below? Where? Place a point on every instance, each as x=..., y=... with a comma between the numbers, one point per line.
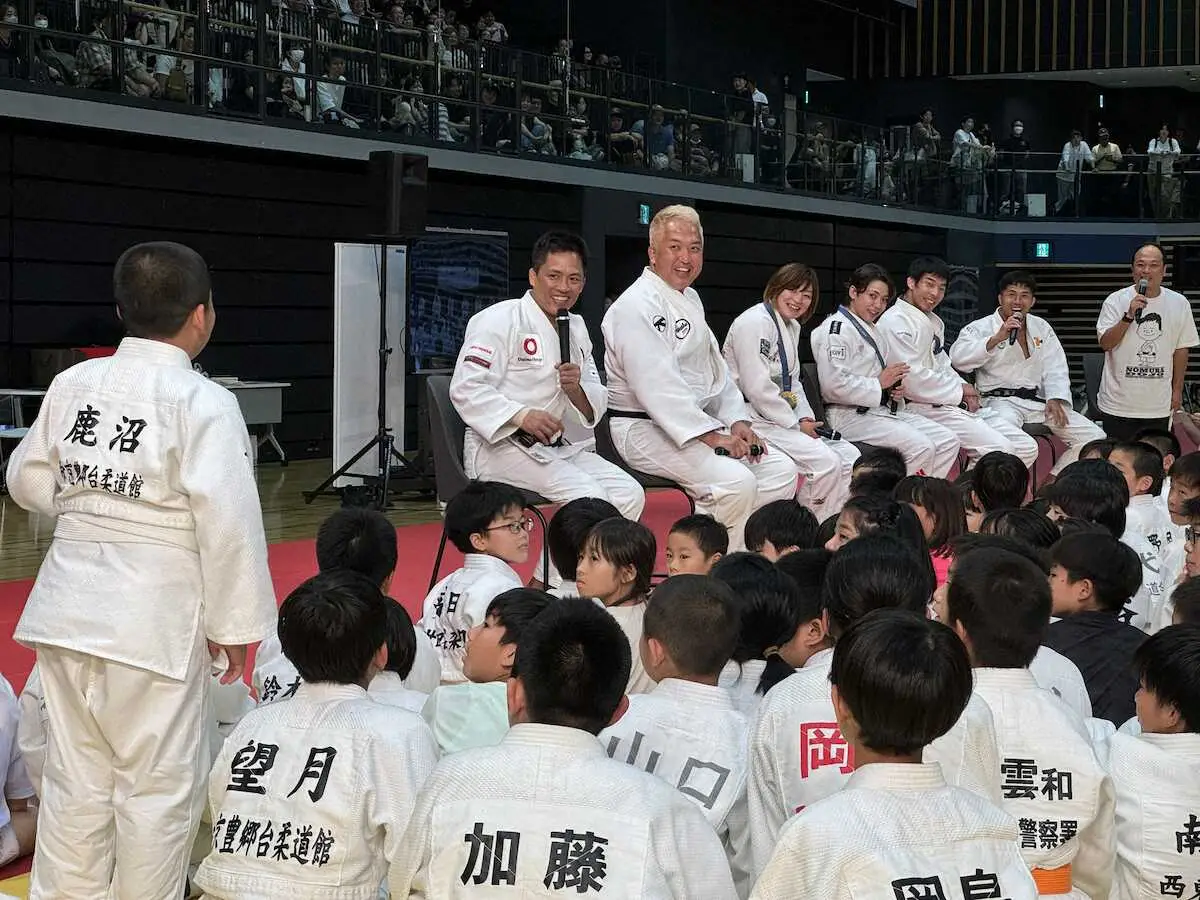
x=317, y=64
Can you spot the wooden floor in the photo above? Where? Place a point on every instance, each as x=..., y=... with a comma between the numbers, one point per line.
x=25, y=536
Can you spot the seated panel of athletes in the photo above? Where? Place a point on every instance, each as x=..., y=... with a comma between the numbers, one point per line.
x=1020, y=368
x=676, y=411
x=762, y=350
x=862, y=385
x=513, y=392
x=933, y=389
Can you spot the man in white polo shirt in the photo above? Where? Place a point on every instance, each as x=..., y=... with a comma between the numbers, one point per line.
x=1145, y=331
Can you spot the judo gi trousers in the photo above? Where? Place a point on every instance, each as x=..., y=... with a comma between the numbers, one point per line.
x=927, y=447
x=825, y=466
x=559, y=479
x=1078, y=431
x=127, y=760
x=982, y=432
x=727, y=489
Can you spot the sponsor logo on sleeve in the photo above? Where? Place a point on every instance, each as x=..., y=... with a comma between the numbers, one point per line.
x=479, y=355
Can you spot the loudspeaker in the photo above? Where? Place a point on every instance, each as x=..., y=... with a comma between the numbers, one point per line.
x=399, y=192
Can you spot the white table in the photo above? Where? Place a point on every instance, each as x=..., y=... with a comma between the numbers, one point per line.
x=262, y=404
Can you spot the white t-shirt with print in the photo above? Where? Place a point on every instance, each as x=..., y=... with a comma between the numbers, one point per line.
x=1136, y=383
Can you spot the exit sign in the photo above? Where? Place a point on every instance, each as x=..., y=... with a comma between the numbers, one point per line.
x=1041, y=251
x=644, y=214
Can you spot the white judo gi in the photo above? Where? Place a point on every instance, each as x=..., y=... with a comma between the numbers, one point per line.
x=752, y=349
x=741, y=680
x=310, y=798
x=17, y=783
x=1051, y=782
x=546, y=813
x=898, y=831
x=1061, y=677
x=691, y=737
x=158, y=545
x=1156, y=778
x=458, y=603
x=798, y=755
x=1148, y=517
x=1145, y=609
x=935, y=390
x=507, y=365
x=1006, y=368
x=664, y=367
x=848, y=367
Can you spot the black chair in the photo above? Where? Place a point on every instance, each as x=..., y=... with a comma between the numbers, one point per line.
x=446, y=431
x=1093, y=368
x=812, y=390
x=607, y=451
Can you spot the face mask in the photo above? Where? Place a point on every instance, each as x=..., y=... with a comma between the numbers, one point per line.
x=40, y=23
x=10, y=19
x=1018, y=130
x=296, y=56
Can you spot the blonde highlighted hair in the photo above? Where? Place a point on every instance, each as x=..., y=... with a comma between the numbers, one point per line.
x=675, y=213
x=794, y=277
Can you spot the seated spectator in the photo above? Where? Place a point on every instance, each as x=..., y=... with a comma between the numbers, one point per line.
x=175, y=74
x=1023, y=524
x=694, y=545
x=624, y=146
x=491, y=30
x=939, y=509
x=536, y=137
x=999, y=481
x=567, y=533
x=658, y=137
x=779, y=528
x=877, y=471
x=330, y=94
x=18, y=809
x=11, y=44
x=51, y=65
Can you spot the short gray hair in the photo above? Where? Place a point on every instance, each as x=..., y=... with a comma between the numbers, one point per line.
x=677, y=212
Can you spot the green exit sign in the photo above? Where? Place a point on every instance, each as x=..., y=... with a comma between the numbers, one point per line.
x=1042, y=250
x=644, y=214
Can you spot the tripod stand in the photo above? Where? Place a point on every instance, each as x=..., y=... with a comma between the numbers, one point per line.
x=383, y=441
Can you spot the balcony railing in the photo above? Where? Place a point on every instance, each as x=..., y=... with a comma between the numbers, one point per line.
x=298, y=65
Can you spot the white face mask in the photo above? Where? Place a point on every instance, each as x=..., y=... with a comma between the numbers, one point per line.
x=40, y=23
x=11, y=19
x=1018, y=130
x=296, y=56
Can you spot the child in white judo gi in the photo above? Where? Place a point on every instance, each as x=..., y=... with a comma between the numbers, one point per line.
x=614, y=570
x=694, y=545
x=566, y=533
x=486, y=520
x=547, y=812
x=779, y=621
x=798, y=754
x=687, y=731
x=475, y=713
x=1142, y=466
x=364, y=541
x=897, y=828
x=18, y=812
x=310, y=798
x=780, y=528
x=1156, y=774
x=158, y=556
x=1049, y=777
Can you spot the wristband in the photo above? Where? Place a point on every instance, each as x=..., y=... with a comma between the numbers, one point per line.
x=1127, y=318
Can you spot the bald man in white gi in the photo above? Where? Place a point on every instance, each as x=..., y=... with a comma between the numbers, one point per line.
x=675, y=410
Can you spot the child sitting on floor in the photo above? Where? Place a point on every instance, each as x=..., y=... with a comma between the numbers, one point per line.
x=781, y=527
x=566, y=533
x=694, y=545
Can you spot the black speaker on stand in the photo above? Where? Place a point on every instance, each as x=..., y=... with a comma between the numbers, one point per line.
x=400, y=204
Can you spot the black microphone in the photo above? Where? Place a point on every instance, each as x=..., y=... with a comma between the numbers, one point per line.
x=1143, y=286
x=893, y=403
x=564, y=336
x=826, y=432
x=1012, y=336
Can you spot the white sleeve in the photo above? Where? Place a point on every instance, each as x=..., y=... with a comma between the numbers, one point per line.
x=1187, y=335
x=1151, y=148
x=217, y=476
x=1056, y=377
x=1066, y=155
x=652, y=374
x=737, y=845
x=766, y=805
x=426, y=672
x=30, y=479
x=408, y=874
x=969, y=350
x=478, y=374
x=690, y=854
x=31, y=729
x=397, y=778
x=1092, y=868
x=589, y=380
x=1110, y=314
x=839, y=385
x=731, y=405
x=922, y=384
x=743, y=350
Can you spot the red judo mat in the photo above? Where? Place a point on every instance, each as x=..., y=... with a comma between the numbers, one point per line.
x=293, y=561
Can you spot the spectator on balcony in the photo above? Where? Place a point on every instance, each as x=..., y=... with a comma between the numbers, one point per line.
x=1014, y=163
x=175, y=74
x=12, y=62
x=491, y=30
x=702, y=160
x=94, y=59
x=294, y=83
x=582, y=75
x=658, y=138
x=332, y=92
x=51, y=65
x=1106, y=162
x=493, y=123
x=535, y=136
x=453, y=54
x=1075, y=154
x=1163, y=152
x=458, y=115
x=624, y=147
x=560, y=61
x=926, y=142
x=241, y=96
x=967, y=163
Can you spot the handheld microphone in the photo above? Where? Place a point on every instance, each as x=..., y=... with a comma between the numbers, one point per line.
x=563, y=320
x=1012, y=336
x=1143, y=286
x=826, y=432
x=893, y=403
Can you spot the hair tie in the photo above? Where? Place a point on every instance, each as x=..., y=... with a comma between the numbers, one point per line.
x=770, y=651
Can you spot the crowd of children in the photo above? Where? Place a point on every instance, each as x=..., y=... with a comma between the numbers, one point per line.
x=944, y=691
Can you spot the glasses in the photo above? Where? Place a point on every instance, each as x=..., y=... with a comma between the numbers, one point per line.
x=525, y=524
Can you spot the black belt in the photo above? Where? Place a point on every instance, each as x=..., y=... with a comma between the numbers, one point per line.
x=525, y=439
x=627, y=414
x=861, y=410
x=1023, y=393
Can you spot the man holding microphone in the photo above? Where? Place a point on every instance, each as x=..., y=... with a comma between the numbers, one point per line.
x=1020, y=367
x=1145, y=331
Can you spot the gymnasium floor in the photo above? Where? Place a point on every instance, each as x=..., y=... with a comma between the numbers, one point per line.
x=291, y=528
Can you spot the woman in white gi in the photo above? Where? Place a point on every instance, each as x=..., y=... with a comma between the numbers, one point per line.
x=863, y=388
x=762, y=351
x=1020, y=368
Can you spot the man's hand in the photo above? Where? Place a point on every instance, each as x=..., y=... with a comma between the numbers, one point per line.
x=569, y=376
x=892, y=374
x=1137, y=304
x=1015, y=322
x=541, y=425
x=970, y=397
x=746, y=433
x=236, y=654
x=734, y=446
x=809, y=427
x=1056, y=413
